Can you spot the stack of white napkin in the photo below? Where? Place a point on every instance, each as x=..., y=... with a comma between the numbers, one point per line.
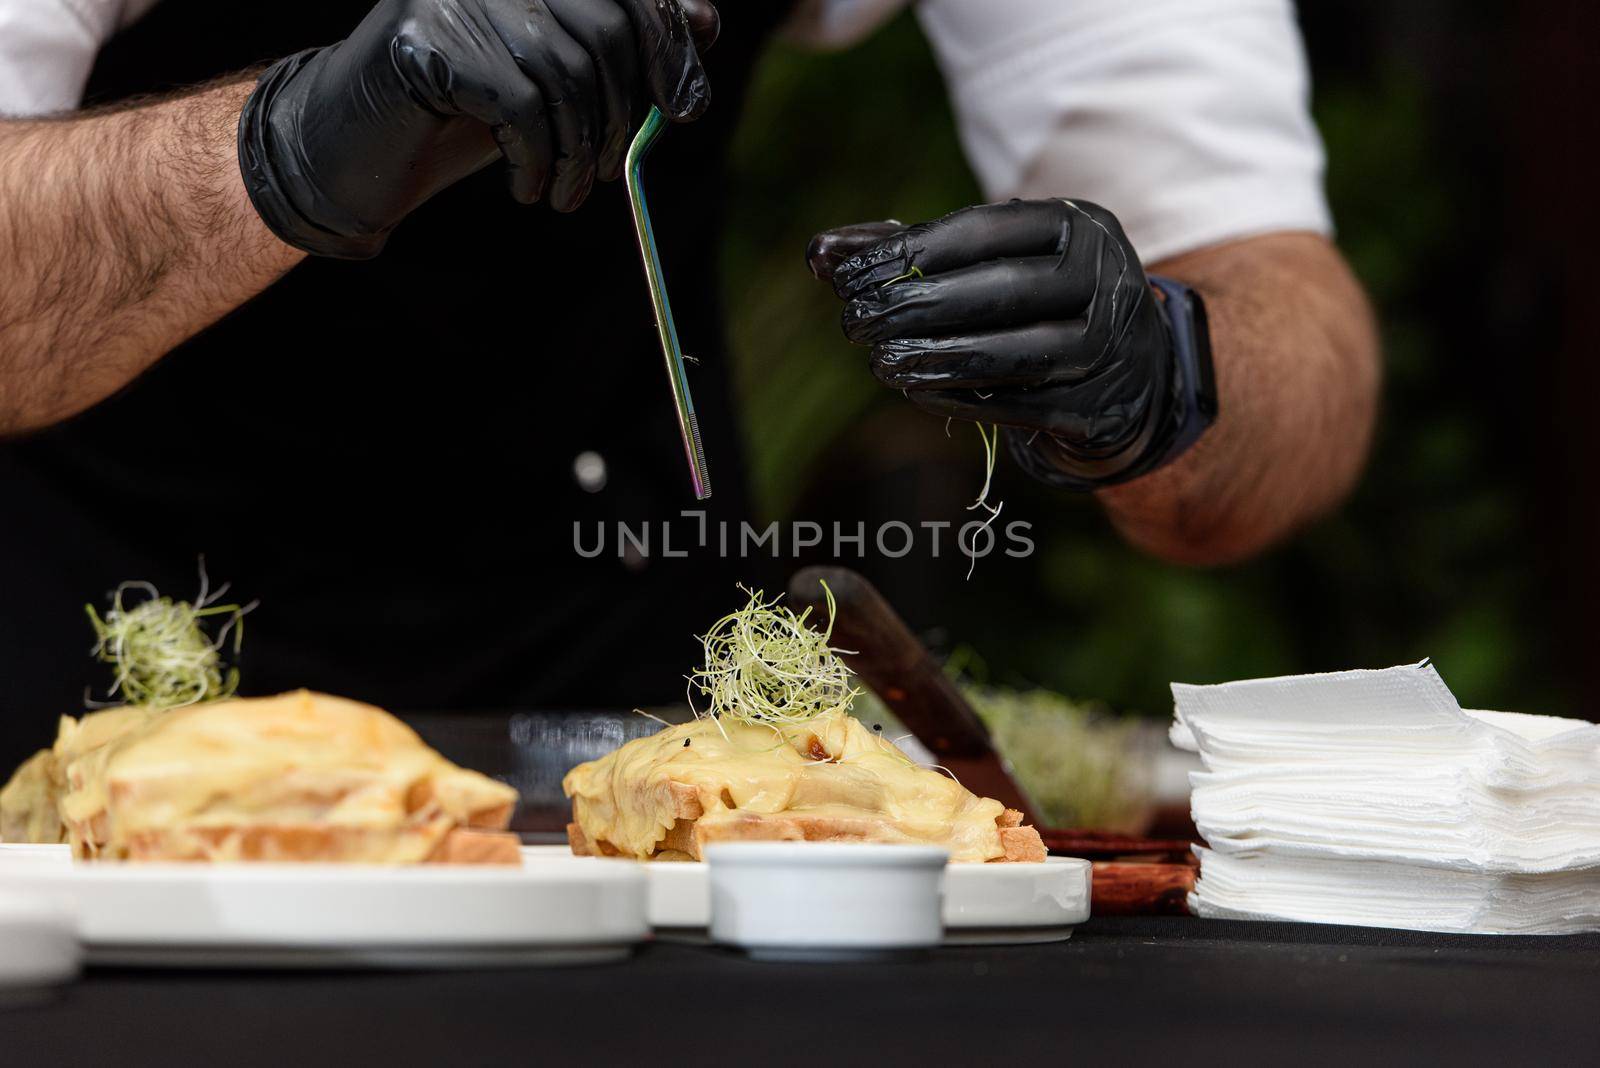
x=1372, y=797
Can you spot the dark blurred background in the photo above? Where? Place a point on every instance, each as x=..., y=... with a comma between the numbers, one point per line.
x=1459, y=183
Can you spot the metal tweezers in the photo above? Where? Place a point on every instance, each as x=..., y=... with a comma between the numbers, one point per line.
x=688, y=427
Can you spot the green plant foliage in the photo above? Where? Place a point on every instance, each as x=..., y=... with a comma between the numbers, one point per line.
x=813, y=142
x=1431, y=557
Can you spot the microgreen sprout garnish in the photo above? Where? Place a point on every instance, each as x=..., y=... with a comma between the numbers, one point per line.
x=766, y=666
x=915, y=272
x=159, y=649
x=991, y=450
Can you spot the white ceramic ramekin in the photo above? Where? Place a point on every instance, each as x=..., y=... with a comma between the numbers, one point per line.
x=794, y=900
x=38, y=943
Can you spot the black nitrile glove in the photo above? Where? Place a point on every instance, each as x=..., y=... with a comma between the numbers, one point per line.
x=1036, y=316
x=339, y=144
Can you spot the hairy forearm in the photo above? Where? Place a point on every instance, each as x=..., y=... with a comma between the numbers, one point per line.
x=121, y=234
x=1298, y=370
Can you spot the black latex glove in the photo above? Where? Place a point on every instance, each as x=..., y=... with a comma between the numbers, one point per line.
x=1034, y=315
x=339, y=144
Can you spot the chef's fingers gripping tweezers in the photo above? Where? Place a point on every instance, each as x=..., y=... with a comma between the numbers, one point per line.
x=655, y=124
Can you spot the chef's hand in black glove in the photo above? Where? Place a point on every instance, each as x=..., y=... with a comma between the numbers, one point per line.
x=1034, y=315
x=339, y=144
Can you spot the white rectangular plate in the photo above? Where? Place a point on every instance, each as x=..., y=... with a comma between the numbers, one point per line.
x=984, y=904
x=313, y=915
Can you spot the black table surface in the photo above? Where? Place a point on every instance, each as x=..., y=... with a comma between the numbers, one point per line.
x=1135, y=990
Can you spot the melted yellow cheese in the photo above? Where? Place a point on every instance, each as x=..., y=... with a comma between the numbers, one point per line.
x=28, y=804
x=301, y=760
x=81, y=750
x=831, y=767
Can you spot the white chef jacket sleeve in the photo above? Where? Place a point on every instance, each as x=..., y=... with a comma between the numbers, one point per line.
x=837, y=23
x=47, y=48
x=1189, y=119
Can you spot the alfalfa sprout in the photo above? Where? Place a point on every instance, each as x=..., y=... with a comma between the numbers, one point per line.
x=766, y=666
x=158, y=648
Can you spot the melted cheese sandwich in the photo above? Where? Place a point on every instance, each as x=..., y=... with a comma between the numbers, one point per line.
x=299, y=777
x=829, y=779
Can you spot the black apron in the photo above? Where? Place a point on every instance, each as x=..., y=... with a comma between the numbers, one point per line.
x=383, y=452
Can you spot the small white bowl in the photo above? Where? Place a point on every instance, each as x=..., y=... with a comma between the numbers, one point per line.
x=38, y=943
x=814, y=900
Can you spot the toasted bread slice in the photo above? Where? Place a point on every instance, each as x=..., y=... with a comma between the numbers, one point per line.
x=1022, y=845
x=478, y=847
x=687, y=839
x=327, y=845
x=285, y=844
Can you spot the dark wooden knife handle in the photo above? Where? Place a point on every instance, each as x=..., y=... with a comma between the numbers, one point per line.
x=1134, y=889
x=1109, y=845
x=893, y=662
x=901, y=671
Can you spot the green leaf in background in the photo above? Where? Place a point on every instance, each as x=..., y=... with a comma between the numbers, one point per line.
x=1433, y=555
